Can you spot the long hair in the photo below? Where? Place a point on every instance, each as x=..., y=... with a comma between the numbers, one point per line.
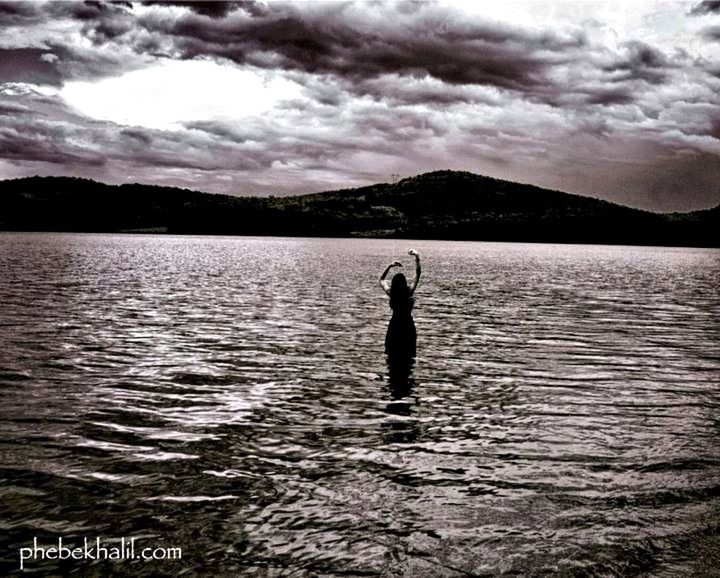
x=399, y=292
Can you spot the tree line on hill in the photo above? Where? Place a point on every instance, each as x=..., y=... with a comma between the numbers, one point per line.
x=439, y=205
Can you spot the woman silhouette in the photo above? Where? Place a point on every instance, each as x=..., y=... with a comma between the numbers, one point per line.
x=401, y=335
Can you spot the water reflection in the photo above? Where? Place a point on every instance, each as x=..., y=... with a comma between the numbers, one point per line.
x=403, y=426
x=401, y=382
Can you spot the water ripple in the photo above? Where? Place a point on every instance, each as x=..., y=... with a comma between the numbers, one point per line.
x=230, y=396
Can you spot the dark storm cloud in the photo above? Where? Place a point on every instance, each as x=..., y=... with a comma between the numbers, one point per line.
x=41, y=142
x=408, y=39
x=30, y=135
x=640, y=62
x=404, y=53
x=83, y=63
x=23, y=146
x=714, y=128
x=706, y=7
x=101, y=22
x=607, y=97
x=712, y=33
x=208, y=8
x=56, y=58
x=138, y=135
x=387, y=51
x=23, y=13
x=83, y=10
x=12, y=109
x=12, y=13
x=59, y=63
x=29, y=65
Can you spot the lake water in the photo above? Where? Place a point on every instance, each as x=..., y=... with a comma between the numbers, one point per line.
x=230, y=396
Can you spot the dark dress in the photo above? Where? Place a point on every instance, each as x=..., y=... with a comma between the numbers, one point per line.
x=401, y=336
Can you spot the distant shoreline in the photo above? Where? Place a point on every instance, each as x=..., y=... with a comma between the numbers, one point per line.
x=442, y=205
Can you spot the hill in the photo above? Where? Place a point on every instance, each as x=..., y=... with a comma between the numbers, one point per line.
x=437, y=205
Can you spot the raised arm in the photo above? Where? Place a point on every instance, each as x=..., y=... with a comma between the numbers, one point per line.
x=383, y=282
x=413, y=285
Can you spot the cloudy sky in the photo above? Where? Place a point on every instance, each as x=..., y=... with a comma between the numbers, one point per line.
x=613, y=99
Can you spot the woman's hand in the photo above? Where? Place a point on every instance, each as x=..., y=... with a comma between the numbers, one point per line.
x=396, y=264
x=414, y=253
